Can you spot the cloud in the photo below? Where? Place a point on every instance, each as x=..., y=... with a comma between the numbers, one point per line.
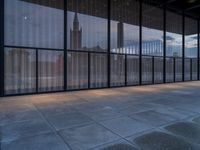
x=170, y=38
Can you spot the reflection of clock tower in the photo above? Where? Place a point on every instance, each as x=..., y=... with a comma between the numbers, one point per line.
x=75, y=34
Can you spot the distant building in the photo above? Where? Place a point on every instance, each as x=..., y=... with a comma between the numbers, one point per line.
x=76, y=34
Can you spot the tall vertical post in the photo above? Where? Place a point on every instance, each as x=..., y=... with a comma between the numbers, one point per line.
x=1, y=47
x=191, y=78
x=108, y=36
x=183, y=47
x=89, y=70
x=36, y=72
x=174, y=59
x=198, y=51
x=164, y=44
x=140, y=42
x=125, y=69
x=65, y=44
x=153, y=70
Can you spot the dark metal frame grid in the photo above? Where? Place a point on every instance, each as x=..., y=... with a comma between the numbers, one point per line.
x=65, y=50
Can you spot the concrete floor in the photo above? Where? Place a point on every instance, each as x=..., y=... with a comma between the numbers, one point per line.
x=155, y=117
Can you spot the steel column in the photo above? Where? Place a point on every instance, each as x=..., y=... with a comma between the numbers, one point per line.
x=174, y=69
x=140, y=42
x=1, y=47
x=88, y=69
x=198, y=51
x=164, y=44
x=65, y=44
x=125, y=69
x=108, y=39
x=153, y=69
x=183, y=47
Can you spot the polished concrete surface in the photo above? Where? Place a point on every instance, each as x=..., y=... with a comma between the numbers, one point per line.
x=153, y=117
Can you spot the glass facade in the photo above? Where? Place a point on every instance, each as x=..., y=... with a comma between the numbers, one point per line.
x=20, y=70
x=94, y=44
x=191, y=48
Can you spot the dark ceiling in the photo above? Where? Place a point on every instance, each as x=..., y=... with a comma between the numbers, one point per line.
x=190, y=7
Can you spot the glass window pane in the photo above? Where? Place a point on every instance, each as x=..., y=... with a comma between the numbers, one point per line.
x=194, y=68
x=169, y=69
x=152, y=30
x=98, y=70
x=50, y=70
x=34, y=23
x=87, y=25
x=125, y=26
x=132, y=70
x=20, y=71
x=147, y=70
x=191, y=38
x=173, y=34
x=158, y=69
x=187, y=69
x=77, y=70
x=117, y=70
x=191, y=48
x=178, y=69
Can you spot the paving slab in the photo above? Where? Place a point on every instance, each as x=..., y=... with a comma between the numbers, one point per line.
x=153, y=118
x=87, y=137
x=18, y=130
x=197, y=120
x=190, y=131
x=68, y=120
x=134, y=108
x=54, y=109
x=162, y=141
x=48, y=141
x=125, y=126
x=118, y=145
x=102, y=114
x=9, y=117
x=175, y=112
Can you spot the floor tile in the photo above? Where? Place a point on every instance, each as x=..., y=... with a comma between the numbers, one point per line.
x=68, y=120
x=103, y=114
x=48, y=141
x=190, y=131
x=118, y=145
x=125, y=126
x=197, y=120
x=134, y=108
x=55, y=109
x=162, y=141
x=18, y=130
x=87, y=137
x=8, y=117
x=153, y=118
